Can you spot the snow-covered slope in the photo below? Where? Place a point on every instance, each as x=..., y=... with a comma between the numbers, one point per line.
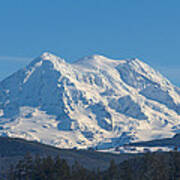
x=94, y=101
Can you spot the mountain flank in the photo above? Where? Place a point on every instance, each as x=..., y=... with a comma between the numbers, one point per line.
x=94, y=102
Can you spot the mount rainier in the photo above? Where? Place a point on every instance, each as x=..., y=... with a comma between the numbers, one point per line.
x=95, y=101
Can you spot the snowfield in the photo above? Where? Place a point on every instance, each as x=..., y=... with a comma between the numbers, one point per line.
x=95, y=101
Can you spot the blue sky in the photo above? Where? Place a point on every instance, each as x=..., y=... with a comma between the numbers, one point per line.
x=146, y=29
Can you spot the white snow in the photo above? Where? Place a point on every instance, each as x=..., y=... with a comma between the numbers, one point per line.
x=95, y=101
x=1, y=112
x=137, y=149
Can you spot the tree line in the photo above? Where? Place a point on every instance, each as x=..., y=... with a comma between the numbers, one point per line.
x=151, y=166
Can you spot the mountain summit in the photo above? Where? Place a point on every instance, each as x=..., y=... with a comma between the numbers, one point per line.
x=95, y=101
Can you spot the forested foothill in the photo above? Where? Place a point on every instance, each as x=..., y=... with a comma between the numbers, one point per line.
x=154, y=166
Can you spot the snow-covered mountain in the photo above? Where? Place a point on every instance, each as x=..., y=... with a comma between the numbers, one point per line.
x=94, y=101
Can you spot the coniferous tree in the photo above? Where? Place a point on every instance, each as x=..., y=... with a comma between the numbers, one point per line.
x=28, y=166
x=65, y=170
x=57, y=165
x=11, y=174
x=112, y=170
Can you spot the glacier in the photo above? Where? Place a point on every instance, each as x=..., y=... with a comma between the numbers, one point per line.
x=92, y=102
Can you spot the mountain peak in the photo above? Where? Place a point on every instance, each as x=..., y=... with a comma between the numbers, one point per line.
x=101, y=58
x=51, y=57
x=48, y=56
x=94, y=60
x=95, y=56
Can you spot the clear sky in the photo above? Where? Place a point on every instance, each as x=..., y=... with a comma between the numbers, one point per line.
x=146, y=29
